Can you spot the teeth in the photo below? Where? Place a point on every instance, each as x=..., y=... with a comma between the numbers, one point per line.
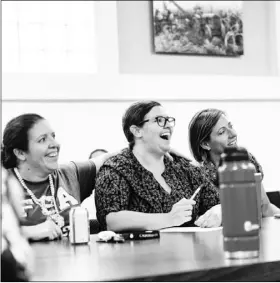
x=52, y=154
x=165, y=134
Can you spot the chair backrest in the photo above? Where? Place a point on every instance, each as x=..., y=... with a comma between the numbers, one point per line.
x=94, y=226
x=274, y=198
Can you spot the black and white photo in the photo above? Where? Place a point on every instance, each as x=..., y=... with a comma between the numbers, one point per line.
x=198, y=27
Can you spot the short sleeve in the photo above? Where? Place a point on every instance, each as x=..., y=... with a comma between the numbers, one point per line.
x=86, y=173
x=257, y=165
x=111, y=194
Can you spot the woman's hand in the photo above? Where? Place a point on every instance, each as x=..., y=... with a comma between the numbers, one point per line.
x=211, y=218
x=50, y=230
x=47, y=229
x=180, y=154
x=181, y=212
x=99, y=160
x=173, y=151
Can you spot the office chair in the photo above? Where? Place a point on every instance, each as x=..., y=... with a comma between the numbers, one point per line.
x=274, y=197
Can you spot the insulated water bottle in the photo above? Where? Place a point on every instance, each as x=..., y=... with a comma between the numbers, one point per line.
x=238, y=195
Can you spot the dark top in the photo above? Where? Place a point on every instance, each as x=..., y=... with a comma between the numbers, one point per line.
x=212, y=174
x=124, y=184
x=73, y=182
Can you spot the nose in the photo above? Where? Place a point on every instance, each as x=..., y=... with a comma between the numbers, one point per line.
x=169, y=124
x=232, y=133
x=53, y=143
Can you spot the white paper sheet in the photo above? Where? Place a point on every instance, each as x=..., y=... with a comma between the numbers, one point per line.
x=189, y=229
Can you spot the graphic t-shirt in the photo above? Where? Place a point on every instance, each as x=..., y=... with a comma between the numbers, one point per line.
x=73, y=182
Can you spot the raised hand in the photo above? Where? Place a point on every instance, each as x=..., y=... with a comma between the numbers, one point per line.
x=99, y=160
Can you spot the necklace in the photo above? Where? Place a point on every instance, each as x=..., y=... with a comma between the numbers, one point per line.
x=55, y=216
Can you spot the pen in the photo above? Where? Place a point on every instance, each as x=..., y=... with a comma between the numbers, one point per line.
x=196, y=192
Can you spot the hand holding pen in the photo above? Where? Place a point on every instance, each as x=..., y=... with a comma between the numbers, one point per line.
x=181, y=211
x=196, y=192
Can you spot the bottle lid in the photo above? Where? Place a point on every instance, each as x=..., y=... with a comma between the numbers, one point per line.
x=234, y=154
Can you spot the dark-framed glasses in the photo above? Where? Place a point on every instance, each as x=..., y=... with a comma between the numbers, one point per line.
x=161, y=120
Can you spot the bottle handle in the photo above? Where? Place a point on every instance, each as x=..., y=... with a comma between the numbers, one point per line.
x=249, y=226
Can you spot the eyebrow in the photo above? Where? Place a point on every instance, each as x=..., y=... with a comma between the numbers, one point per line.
x=41, y=136
x=221, y=128
x=44, y=135
x=166, y=116
x=229, y=123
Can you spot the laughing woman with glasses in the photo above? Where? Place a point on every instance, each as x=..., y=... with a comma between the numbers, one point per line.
x=142, y=189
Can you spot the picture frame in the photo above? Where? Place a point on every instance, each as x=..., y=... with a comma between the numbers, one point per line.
x=211, y=28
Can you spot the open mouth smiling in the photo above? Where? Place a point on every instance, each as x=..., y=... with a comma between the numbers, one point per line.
x=232, y=143
x=165, y=136
x=52, y=154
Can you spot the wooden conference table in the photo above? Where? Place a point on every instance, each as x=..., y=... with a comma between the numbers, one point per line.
x=196, y=256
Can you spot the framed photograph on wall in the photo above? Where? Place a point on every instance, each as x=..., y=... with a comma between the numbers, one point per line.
x=198, y=27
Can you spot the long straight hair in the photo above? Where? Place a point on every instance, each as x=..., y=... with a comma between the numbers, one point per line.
x=200, y=129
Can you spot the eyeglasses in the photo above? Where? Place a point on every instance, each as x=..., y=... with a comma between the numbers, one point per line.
x=162, y=121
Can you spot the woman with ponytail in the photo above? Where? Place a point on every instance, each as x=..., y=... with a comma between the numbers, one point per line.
x=30, y=152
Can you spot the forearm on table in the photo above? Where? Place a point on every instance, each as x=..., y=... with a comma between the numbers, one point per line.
x=31, y=232
x=34, y=232
x=274, y=208
x=268, y=209
x=132, y=220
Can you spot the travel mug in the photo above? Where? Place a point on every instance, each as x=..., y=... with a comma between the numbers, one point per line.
x=238, y=195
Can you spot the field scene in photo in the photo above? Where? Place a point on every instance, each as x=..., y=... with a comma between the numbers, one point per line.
x=198, y=27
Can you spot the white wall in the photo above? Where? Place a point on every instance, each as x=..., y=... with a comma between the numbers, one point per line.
x=136, y=44
x=86, y=110
x=117, y=79
x=83, y=126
